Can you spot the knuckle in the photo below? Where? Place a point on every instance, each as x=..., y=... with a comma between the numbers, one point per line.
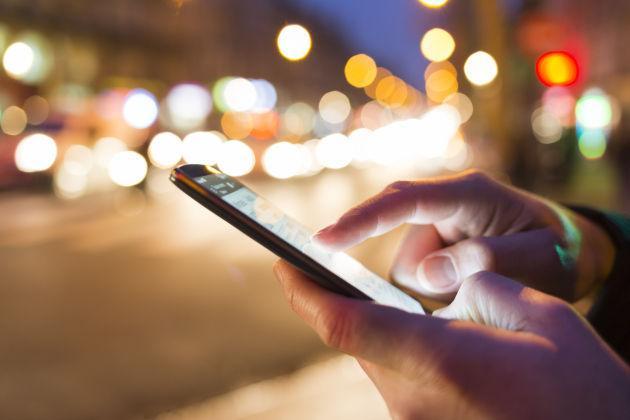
x=476, y=176
x=482, y=253
x=475, y=283
x=335, y=328
x=401, y=185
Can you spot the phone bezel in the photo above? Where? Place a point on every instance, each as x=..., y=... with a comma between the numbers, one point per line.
x=183, y=178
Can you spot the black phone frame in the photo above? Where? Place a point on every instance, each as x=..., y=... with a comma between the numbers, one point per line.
x=183, y=178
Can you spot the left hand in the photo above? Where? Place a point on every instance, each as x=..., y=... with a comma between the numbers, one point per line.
x=500, y=350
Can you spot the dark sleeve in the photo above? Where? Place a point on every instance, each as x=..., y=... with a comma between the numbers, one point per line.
x=610, y=313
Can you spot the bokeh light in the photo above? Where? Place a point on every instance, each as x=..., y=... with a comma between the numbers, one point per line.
x=374, y=115
x=106, y=148
x=13, y=120
x=434, y=4
x=557, y=68
x=559, y=102
x=594, y=110
x=69, y=185
x=546, y=126
x=18, y=59
x=37, y=109
x=28, y=59
x=334, y=151
x=360, y=70
x=236, y=158
x=437, y=45
x=435, y=130
x=294, y=42
x=265, y=124
x=35, y=153
x=480, y=68
x=140, y=109
x=334, y=107
x=282, y=160
x=188, y=105
x=298, y=119
x=266, y=96
x=165, y=150
x=462, y=103
x=202, y=147
x=381, y=73
x=78, y=160
x=391, y=92
x=218, y=91
x=360, y=140
x=240, y=95
x=237, y=125
x=127, y=168
x=440, y=85
x=592, y=144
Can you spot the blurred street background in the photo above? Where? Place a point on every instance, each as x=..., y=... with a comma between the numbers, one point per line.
x=122, y=298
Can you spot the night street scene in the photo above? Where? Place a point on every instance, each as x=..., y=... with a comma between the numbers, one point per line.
x=474, y=154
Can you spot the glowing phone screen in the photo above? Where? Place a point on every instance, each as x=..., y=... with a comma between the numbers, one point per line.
x=298, y=236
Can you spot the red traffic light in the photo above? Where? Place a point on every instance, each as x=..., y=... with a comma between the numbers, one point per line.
x=557, y=68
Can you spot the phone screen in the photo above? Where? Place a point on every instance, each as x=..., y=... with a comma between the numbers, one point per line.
x=296, y=235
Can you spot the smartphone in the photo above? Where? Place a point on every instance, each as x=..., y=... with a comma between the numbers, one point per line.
x=266, y=224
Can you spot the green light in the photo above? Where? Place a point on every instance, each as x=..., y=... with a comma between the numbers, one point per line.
x=593, y=110
x=217, y=93
x=592, y=144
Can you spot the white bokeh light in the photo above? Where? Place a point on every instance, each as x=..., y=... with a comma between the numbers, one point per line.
x=294, y=42
x=237, y=158
x=266, y=96
x=202, y=147
x=35, y=153
x=240, y=95
x=283, y=160
x=334, y=151
x=78, y=160
x=105, y=148
x=18, y=59
x=165, y=150
x=594, y=110
x=140, y=109
x=127, y=168
x=480, y=68
x=334, y=107
x=188, y=105
x=68, y=184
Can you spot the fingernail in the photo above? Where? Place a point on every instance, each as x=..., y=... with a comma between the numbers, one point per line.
x=323, y=231
x=437, y=273
x=318, y=237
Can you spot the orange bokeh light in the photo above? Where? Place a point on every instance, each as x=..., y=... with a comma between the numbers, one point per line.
x=557, y=68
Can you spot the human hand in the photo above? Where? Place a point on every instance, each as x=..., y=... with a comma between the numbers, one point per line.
x=526, y=355
x=469, y=223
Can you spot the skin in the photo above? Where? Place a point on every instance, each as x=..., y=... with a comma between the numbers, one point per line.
x=472, y=223
x=499, y=349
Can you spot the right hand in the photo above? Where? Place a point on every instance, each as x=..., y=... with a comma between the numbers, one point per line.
x=498, y=351
x=469, y=223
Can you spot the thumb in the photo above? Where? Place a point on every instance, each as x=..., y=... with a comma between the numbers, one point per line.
x=443, y=271
x=380, y=334
x=489, y=299
x=497, y=301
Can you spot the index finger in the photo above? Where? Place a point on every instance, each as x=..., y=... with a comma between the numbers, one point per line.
x=418, y=202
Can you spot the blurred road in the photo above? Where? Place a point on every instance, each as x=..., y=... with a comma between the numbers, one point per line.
x=122, y=306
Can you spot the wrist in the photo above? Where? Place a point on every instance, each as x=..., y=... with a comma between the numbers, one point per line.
x=598, y=251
